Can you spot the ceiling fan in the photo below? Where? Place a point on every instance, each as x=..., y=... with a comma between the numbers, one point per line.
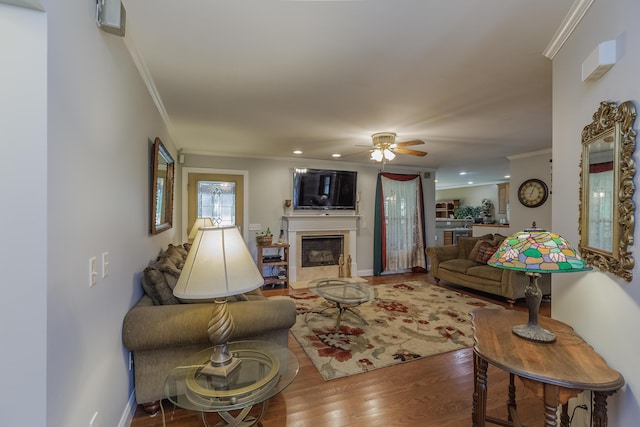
x=386, y=147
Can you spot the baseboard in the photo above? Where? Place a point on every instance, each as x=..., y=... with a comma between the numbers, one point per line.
x=129, y=411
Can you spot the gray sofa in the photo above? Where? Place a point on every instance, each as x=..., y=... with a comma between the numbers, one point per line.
x=460, y=264
x=161, y=332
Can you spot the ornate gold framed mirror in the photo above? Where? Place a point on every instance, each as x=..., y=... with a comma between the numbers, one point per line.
x=607, y=169
x=161, y=188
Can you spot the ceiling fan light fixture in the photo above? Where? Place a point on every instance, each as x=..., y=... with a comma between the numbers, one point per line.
x=376, y=155
x=385, y=147
x=384, y=138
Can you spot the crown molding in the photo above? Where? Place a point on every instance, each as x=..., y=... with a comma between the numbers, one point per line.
x=27, y=4
x=571, y=21
x=149, y=83
x=530, y=154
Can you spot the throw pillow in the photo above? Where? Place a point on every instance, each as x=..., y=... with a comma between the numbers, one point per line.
x=485, y=250
x=155, y=285
x=465, y=245
x=175, y=254
x=171, y=273
x=474, y=251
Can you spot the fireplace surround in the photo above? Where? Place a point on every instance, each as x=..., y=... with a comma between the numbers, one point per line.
x=312, y=227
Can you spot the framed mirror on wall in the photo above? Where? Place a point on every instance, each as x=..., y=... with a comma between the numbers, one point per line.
x=607, y=169
x=163, y=169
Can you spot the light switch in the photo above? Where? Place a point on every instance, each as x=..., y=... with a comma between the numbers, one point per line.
x=255, y=227
x=105, y=264
x=93, y=271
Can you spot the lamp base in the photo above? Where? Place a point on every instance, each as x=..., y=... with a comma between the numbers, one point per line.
x=221, y=371
x=531, y=331
x=534, y=333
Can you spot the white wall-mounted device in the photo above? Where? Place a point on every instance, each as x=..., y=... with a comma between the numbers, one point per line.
x=599, y=61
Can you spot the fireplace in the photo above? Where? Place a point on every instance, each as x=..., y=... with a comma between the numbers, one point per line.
x=324, y=238
x=317, y=251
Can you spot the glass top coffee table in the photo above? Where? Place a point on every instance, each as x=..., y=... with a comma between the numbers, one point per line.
x=345, y=293
x=264, y=371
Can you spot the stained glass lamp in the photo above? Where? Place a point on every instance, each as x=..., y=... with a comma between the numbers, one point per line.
x=536, y=251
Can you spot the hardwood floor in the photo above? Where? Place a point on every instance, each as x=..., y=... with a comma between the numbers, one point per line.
x=434, y=391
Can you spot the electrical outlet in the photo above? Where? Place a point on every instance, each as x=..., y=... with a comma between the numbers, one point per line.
x=94, y=420
x=105, y=264
x=93, y=271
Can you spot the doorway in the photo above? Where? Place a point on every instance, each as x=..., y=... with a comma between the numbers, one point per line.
x=219, y=195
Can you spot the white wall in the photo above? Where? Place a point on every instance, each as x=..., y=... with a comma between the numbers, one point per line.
x=523, y=167
x=102, y=122
x=602, y=308
x=270, y=183
x=23, y=186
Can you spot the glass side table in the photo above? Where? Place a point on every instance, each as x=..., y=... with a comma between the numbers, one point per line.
x=345, y=294
x=265, y=370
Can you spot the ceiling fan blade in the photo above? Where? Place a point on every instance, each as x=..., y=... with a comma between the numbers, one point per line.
x=410, y=143
x=409, y=152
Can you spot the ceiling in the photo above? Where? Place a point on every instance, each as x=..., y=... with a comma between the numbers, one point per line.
x=263, y=78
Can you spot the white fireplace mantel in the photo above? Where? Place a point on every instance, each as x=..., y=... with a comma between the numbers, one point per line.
x=331, y=223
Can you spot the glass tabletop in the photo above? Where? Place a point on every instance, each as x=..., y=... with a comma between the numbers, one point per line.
x=343, y=290
x=265, y=370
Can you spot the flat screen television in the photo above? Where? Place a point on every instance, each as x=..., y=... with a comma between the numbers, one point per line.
x=323, y=189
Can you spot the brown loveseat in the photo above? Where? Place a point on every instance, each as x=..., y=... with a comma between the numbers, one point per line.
x=161, y=332
x=465, y=264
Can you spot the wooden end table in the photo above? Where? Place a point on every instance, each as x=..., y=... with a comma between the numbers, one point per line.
x=555, y=372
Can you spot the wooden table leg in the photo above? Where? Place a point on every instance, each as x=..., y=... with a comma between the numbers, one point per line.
x=479, y=413
x=511, y=401
x=599, y=415
x=474, y=408
x=551, y=402
x=564, y=416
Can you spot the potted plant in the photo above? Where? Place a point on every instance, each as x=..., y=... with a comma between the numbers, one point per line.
x=468, y=212
x=264, y=237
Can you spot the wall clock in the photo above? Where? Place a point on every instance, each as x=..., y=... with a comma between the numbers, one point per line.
x=533, y=193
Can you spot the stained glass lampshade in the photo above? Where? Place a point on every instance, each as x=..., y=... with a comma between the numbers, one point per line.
x=536, y=251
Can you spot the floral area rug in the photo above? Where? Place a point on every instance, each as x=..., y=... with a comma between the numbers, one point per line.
x=407, y=321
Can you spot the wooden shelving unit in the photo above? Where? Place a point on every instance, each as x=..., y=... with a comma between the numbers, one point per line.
x=447, y=208
x=274, y=272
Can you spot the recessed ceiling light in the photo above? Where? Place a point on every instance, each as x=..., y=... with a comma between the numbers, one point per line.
x=507, y=176
x=297, y=151
x=463, y=173
x=336, y=155
x=470, y=182
x=435, y=180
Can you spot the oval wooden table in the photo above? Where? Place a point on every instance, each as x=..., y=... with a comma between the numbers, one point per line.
x=555, y=372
